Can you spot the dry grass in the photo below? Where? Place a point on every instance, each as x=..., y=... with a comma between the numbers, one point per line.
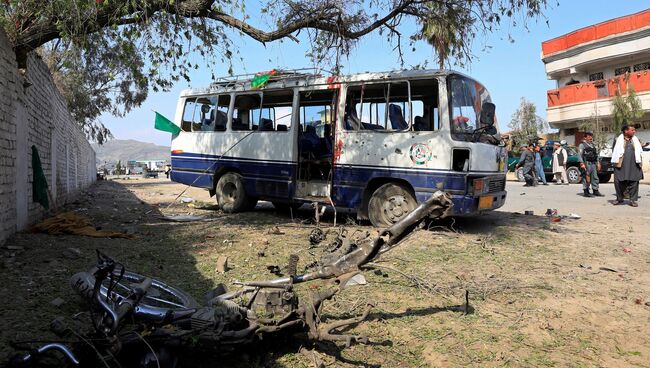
x=533, y=305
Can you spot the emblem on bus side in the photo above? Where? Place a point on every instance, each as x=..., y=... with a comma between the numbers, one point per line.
x=420, y=153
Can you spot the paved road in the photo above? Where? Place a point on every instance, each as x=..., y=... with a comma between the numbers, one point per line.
x=568, y=199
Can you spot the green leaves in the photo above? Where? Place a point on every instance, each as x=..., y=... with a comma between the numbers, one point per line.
x=128, y=47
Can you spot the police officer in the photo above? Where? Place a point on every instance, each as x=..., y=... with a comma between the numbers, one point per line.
x=590, y=165
x=527, y=160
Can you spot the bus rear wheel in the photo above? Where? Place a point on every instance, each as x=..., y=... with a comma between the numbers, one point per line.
x=231, y=195
x=389, y=204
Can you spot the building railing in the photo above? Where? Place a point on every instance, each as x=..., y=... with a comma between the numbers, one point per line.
x=598, y=90
x=598, y=31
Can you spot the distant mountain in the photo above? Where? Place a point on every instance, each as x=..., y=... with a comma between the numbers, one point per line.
x=128, y=149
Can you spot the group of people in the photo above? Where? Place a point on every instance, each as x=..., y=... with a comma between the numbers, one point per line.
x=533, y=168
x=626, y=158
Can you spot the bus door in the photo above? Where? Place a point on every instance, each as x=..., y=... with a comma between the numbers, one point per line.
x=317, y=114
x=262, y=142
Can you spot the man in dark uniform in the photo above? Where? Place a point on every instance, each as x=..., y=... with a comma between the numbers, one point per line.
x=527, y=161
x=590, y=165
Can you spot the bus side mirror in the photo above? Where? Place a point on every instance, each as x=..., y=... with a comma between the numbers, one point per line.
x=487, y=113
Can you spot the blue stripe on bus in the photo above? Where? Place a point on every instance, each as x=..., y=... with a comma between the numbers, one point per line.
x=275, y=179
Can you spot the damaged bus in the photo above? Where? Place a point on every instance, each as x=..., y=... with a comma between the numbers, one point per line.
x=373, y=143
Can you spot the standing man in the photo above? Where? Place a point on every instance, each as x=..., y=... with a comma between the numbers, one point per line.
x=539, y=166
x=590, y=165
x=559, y=164
x=527, y=161
x=626, y=158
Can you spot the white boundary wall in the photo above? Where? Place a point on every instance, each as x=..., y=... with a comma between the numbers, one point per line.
x=36, y=115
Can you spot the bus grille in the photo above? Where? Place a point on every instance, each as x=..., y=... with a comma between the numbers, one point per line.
x=497, y=185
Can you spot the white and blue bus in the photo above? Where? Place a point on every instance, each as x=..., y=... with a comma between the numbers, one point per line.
x=373, y=143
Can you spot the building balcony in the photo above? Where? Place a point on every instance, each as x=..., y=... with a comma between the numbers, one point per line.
x=590, y=48
x=586, y=100
x=597, y=32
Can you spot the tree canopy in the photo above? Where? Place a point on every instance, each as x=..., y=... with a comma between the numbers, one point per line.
x=626, y=106
x=107, y=54
x=525, y=124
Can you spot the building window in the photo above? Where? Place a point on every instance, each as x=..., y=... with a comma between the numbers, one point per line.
x=622, y=70
x=641, y=66
x=596, y=76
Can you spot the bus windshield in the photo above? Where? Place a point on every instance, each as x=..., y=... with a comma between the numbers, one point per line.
x=466, y=98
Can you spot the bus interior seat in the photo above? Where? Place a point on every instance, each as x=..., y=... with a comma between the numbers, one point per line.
x=369, y=126
x=220, y=121
x=266, y=125
x=207, y=122
x=309, y=142
x=327, y=141
x=282, y=128
x=419, y=124
x=238, y=125
x=351, y=119
x=396, y=117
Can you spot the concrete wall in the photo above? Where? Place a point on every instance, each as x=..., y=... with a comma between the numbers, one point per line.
x=36, y=115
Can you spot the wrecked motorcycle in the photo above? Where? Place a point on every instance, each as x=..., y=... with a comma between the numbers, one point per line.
x=138, y=321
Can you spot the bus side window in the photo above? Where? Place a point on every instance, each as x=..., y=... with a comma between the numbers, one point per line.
x=381, y=106
x=203, y=119
x=275, y=113
x=424, y=101
x=245, y=107
x=221, y=113
x=188, y=113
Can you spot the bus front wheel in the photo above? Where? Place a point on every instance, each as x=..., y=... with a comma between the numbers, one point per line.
x=389, y=204
x=231, y=195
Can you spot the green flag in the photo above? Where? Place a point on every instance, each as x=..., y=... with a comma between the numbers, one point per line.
x=166, y=125
x=261, y=79
x=39, y=185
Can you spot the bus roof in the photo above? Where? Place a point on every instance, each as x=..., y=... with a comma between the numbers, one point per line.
x=295, y=78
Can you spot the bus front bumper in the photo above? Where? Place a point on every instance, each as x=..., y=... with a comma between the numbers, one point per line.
x=468, y=205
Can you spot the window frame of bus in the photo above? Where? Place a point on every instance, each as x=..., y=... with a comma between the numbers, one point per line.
x=332, y=108
x=386, y=113
x=450, y=101
x=183, y=121
x=272, y=107
x=231, y=114
x=194, y=99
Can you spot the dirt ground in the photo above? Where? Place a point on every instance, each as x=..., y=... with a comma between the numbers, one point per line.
x=571, y=293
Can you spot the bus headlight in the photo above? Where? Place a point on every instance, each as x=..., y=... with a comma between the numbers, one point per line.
x=479, y=186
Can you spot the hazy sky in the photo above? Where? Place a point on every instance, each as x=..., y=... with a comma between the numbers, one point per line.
x=509, y=70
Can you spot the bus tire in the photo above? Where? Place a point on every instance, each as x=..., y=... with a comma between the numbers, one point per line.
x=231, y=195
x=390, y=203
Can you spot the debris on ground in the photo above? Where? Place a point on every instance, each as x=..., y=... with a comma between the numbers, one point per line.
x=607, y=269
x=71, y=223
x=187, y=200
x=274, y=269
x=585, y=266
x=574, y=216
x=356, y=280
x=71, y=253
x=550, y=212
x=57, y=302
x=275, y=231
x=185, y=218
x=316, y=236
x=222, y=264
